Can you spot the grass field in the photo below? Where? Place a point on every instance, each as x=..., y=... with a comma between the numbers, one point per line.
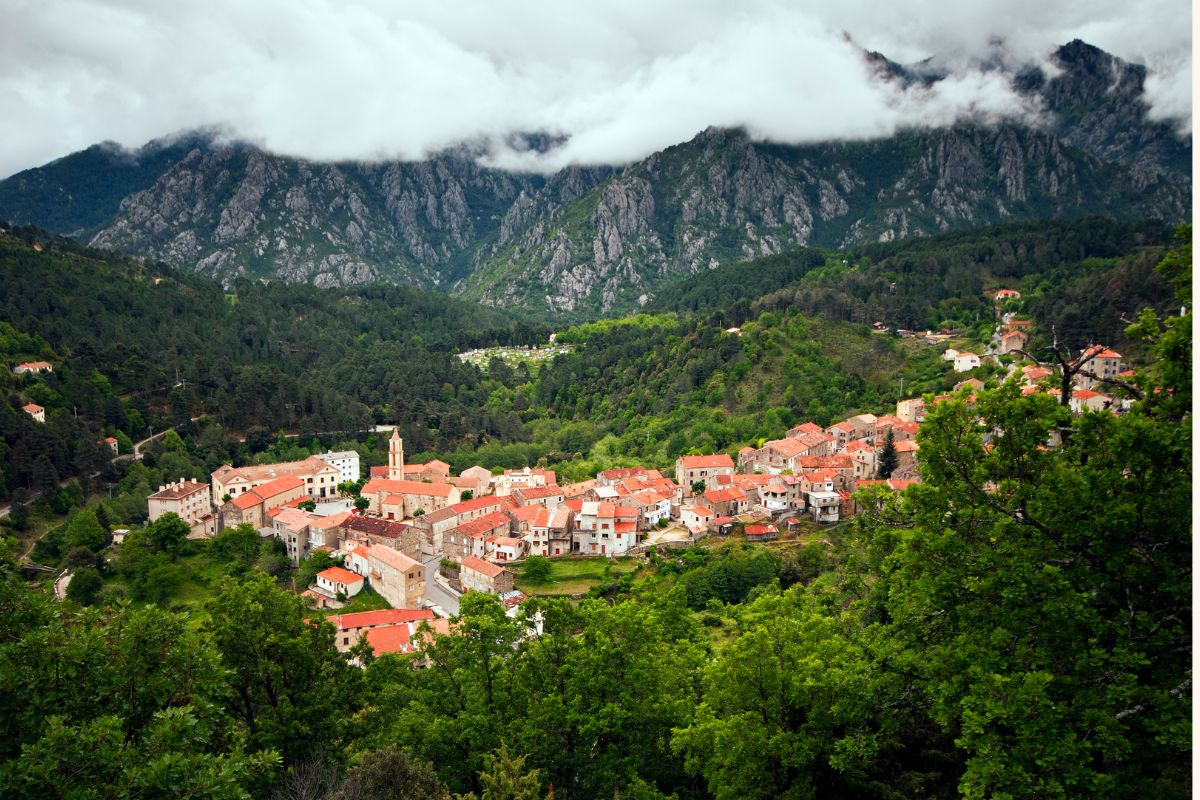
x=569, y=576
x=366, y=600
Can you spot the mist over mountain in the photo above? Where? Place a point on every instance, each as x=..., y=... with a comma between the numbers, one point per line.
x=604, y=238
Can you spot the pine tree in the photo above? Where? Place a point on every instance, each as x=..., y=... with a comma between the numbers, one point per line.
x=888, y=460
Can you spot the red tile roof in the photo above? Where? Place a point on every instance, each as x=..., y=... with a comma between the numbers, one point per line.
x=484, y=525
x=538, y=492
x=393, y=558
x=483, y=567
x=724, y=495
x=404, y=637
x=179, y=490
x=386, y=616
x=278, y=486
x=478, y=503
x=339, y=575
x=247, y=500
x=706, y=462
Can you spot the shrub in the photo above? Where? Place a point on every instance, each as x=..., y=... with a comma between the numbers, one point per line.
x=537, y=569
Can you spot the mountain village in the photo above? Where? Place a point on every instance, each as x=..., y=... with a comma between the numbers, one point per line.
x=420, y=536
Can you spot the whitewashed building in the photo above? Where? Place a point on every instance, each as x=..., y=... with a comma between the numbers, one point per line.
x=345, y=462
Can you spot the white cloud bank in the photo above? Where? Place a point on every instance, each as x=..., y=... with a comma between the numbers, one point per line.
x=325, y=80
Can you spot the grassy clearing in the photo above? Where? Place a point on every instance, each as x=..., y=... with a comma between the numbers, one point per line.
x=366, y=600
x=571, y=576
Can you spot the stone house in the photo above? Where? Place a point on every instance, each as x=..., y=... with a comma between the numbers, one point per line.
x=350, y=627
x=357, y=529
x=395, y=576
x=470, y=538
x=190, y=500
x=695, y=469
x=478, y=575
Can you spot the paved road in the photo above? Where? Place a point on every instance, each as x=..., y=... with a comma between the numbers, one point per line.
x=435, y=592
x=60, y=585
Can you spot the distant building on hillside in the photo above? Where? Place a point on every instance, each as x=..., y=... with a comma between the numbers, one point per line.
x=33, y=367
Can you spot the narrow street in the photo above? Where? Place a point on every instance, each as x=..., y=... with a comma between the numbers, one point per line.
x=435, y=592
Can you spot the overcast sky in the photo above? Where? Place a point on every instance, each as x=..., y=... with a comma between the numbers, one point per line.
x=620, y=79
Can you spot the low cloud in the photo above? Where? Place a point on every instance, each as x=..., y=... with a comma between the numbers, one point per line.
x=377, y=80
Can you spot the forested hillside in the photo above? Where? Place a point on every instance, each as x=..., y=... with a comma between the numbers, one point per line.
x=142, y=346
x=1018, y=625
x=1080, y=277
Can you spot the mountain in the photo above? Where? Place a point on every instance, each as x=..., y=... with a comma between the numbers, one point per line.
x=599, y=240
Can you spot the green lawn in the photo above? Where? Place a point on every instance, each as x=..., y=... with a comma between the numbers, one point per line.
x=366, y=600
x=575, y=575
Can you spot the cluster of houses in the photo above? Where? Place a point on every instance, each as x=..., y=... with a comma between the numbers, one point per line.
x=421, y=513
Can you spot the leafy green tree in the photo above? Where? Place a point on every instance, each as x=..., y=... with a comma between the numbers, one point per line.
x=94, y=760
x=84, y=531
x=171, y=442
x=391, y=773
x=308, y=505
x=468, y=494
x=240, y=542
x=536, y=569
x=361, y=503
x=316, y=561
x=505, y=777
x=78, y=557
x=140, y=715
x=45, y=476
x=167, y=534
x=292, y=691
x=790, y=709
x=85, y=586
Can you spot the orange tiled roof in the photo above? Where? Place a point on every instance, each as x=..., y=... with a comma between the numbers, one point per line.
x=706, y=462
x=339, y=575
x=483, y=567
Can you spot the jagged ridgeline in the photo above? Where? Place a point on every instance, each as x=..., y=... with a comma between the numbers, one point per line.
x=603, y=240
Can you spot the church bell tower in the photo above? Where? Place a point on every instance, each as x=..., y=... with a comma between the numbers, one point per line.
x=396, y=456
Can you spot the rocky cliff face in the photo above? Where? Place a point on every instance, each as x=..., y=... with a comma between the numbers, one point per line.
x=600, y=239
x=722, y=197
x=235, y=211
